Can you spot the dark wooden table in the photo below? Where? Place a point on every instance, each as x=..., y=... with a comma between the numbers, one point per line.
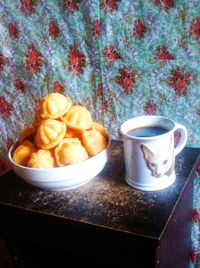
x=105, y=222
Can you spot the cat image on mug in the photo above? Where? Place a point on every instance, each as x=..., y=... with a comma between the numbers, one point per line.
x=159, y=162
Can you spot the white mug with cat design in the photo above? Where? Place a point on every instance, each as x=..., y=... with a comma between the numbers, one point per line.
x=149, y=151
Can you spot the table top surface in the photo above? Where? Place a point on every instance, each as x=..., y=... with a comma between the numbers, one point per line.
x=107, y=201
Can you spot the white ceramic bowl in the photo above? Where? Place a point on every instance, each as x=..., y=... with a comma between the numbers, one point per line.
x=61, y=178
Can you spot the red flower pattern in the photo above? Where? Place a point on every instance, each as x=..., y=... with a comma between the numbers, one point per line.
x=109, y=5
x=58, y=87
x=3, y=61
x=34, y=59
x=163, y=54
x=99, y=92
x=164, y=3
x=28, y=5
x=126, y=79
x=139, y=28
x=196, y=216
x=20, y=85
x=72, y=5
x=5, y=107
x=13, y=30
x=105, y=106
x=76, y=60
x=150, y=107
x=179, y=81
x=195, y=28
x=97, y=28
x=102, y=4
x=111, y=54
x=54, y=30
x=194, y=256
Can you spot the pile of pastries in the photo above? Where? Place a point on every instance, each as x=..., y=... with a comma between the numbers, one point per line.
x=61, y=134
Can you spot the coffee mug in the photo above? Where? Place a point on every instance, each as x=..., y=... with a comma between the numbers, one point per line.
x=149, y=151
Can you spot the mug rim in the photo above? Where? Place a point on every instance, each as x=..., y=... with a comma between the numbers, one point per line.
x=125, y=134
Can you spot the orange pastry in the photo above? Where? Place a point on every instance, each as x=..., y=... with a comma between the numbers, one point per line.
x=50, y=133
x=27, y=133
x=78, y=117
x=41, y=159
x=54, y=105
x=23, y=152
x=93, y=141
x=73, y=133
x=70, y=151
x=99, y=127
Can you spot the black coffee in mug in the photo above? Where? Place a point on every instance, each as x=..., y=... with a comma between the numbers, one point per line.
x=147, y=131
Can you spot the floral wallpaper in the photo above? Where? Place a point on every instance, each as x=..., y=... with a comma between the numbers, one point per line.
x=119, y=58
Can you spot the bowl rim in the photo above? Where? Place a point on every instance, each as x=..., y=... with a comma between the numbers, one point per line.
x=90, y=159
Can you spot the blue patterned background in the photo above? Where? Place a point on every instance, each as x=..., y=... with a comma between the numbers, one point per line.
x=119, y=58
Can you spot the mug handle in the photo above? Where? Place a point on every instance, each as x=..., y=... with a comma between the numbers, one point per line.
x=183, y=139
